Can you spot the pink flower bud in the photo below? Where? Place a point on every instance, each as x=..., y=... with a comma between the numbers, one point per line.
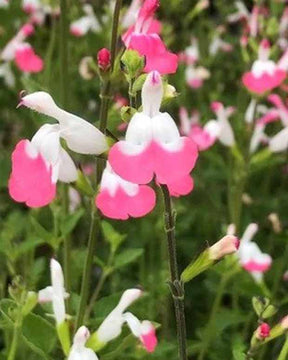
x=263, y=331
x=284, y=322
x=227, y=245
x=27, y=29
x=244, y=40
x=265, y=44
x=104, y=59
x=216, y=106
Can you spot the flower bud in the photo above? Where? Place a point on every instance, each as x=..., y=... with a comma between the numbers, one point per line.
x=284, y=322
x=227, y=245
x=263, y=331
x=132, y=63
x=202, y=5
x=104, y=59
x=275, y=222
x=87, y=68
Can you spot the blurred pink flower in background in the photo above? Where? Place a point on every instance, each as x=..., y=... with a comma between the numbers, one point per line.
x=204, y=136
x=265, y=74
x=86, y=23
x=144, y=38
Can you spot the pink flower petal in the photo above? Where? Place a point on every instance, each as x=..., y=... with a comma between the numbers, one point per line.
x=253, y=266
x=265, y=82
x=181, y=161
x=30, y=180
x=201, y=138
x=139, y=168
x=181, y=187
x=149, y=341
x=121, y=205
x=27, y=61
x=157, y=56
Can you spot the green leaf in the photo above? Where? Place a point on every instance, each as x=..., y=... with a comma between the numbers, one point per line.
x=269, y=312
x=112, y=236
x=261, y=157
x=70, y=222
x=83, y=185
x=127, y=342
x=202, y=263
x=44, y=235
x=139, y=82
x=39, y=334
x=126, y=257
x=64, y=336
x=260, y=304
x=27, y=245
x=238, y=354
x=238, y=349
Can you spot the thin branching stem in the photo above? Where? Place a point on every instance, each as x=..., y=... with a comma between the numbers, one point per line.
x=177, y=288
x=95, y=219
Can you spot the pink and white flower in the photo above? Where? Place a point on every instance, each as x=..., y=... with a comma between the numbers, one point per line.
x=251, y=257
x=26, y=59
x=111, y=327
x=191, y=54
x=226, y=134
x=204, y=137
x=78, y=350
x=251, y=19
x=229, y=244
x=8, y=53
x=4, y=4
x=38, y=10
x=217, y=44
x=37, y=165
x=55, y=293
x=7, y=74
x=143, y=37
x=267, y=116
x=21, y=52
x=152, y=144
x=265, y=74
x=279, y=142
x=120, y=199
x=195, y=76
x=86, y=23
x=283, y=30
x=31, y=6
x=131, y=14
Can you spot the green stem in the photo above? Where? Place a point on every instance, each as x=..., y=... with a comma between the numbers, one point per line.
x=131, y=95
x=114, y=35
x=16, y=336
x=49, y=53
x=14, y=344
x=176, y=286
x=95, y=224
x=93, y=232
x=64, y=30
x=95, y=294
x=284, y=352
x=211, y=321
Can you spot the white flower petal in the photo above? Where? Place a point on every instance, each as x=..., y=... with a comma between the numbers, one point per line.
x=152, y=94
x=279, y=142
x=67, y=169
